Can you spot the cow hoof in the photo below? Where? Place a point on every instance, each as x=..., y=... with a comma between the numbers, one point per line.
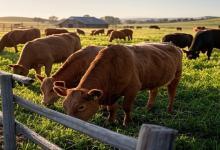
x=110, y=122
x=149, y=107
x=126, y=122
x=170, y=110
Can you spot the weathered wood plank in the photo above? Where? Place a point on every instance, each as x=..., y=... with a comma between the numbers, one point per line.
x=8, y=112
x=33, y=136
x=107, y=136
x=154, y=137
x=19, y=78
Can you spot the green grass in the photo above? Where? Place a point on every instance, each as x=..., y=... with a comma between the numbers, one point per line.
x=196, y=110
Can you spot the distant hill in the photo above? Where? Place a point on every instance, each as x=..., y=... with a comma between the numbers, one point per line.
x=165, y=20
x=211, y=23
x=16, y=19
x=22, y=19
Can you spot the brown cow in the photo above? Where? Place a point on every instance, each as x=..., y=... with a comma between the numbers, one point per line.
x=20, y=36
x=128, y=33
x=99, y=31
x=51, y=31
x=92, y=32
x=79, y=31
x=123, y=71
x=109, y=32
x=179, y=28
x=154, y=27
x=197, y=29
x=139, y=27
x=46, y=51
x=70, y=72
x=117, y=35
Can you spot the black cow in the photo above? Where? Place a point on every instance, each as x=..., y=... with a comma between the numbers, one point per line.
x=181, y=40
x=204, y=41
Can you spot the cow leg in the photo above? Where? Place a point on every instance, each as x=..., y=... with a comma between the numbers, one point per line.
x=172, y=93
x=112, y=112
x=129, y=98
x=16, y=48
x=38, y=69
x=209, y=52
x=48, y=68
x=151, y=99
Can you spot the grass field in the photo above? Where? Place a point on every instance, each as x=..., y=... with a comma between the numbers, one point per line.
x=196, y=110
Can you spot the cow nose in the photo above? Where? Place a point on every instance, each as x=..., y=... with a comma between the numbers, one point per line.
x=44, y=103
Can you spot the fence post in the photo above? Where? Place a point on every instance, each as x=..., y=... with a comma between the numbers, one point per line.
x=154, y=137
x=8, y=112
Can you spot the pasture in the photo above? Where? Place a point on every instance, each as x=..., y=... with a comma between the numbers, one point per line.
x=196, y=109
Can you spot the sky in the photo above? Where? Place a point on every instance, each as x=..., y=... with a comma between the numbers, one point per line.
x=117, y=8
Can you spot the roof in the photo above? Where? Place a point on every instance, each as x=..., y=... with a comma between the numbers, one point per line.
x=87, y=20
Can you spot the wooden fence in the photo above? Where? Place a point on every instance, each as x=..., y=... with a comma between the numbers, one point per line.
x=151, y=137
x=6, y=27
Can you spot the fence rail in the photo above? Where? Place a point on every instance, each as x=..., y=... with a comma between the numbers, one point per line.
x=151, y=137
x=18, y=78
x=36, y=138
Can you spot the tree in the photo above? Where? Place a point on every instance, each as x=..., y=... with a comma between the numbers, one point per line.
x=86, y=15
x=111, y=20
x=38, y=19
x=53, y=19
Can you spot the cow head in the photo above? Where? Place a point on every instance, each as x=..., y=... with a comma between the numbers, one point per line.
x=191, y=54
x=49, y=96
x=2, y=43
x=80, y=103
x=19, y=69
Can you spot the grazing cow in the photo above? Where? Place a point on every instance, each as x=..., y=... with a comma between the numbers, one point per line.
x=92, y=32
x=128, y=33
x=20, y=36
x=117, y=35
x=138, y=27
x=109, y=32
x=204, y=41
x=100, y=31
x=46, y=51
x=79, y=31
x=123, y=71
x=70, y=72
x=51, y=31
x=196, y=29
x=154, y=27
x=179, y=28
x=126, y=27
x=181, y=40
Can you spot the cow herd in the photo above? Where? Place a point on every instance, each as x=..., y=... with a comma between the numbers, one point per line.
x=96, y=76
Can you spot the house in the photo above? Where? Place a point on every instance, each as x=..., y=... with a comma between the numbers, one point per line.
x=83, y=22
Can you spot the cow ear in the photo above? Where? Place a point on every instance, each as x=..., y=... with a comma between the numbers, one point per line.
x=59, y=83
x=39, y=77
x=61, y=91
x=12, y=65
x=95, y=94
x=185, y=51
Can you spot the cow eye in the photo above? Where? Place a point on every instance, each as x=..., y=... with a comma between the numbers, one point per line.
x=81, y=108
